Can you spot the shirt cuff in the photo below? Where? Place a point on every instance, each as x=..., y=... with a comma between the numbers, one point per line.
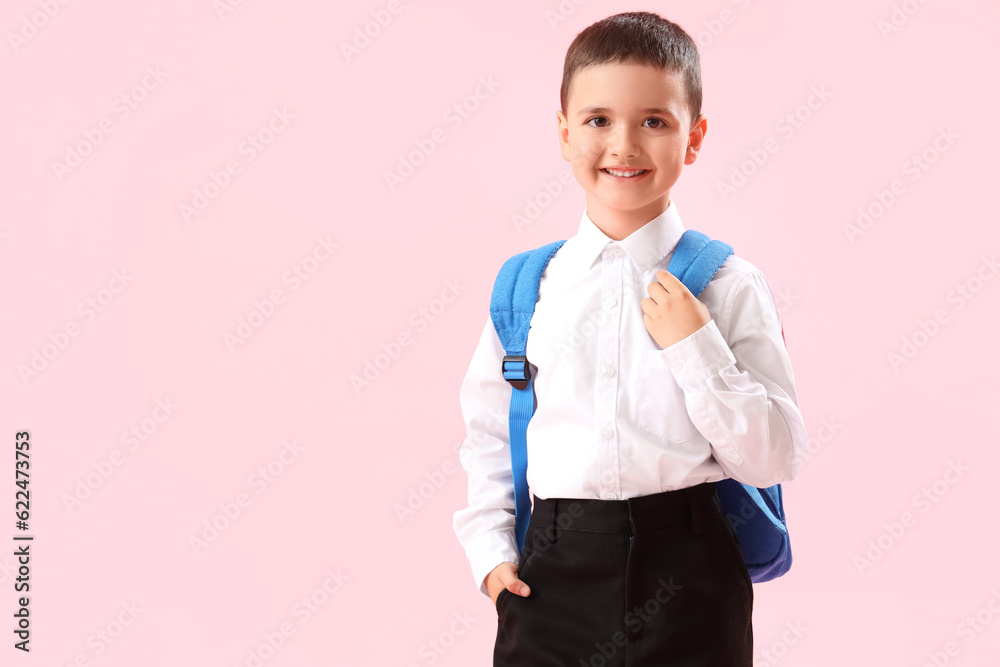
x=490, y=550
x=698, y=357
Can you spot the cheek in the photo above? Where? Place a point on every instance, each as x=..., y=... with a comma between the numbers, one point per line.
x=586, y=153
x=583, y=171
x=672, y=150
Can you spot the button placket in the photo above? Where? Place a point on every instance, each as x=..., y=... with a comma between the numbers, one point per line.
x=608, y=345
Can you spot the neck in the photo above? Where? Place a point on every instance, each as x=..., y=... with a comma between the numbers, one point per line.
x=618, y=224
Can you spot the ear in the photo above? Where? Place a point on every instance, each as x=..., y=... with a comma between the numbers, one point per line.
x=563, y=132
x=695, y=138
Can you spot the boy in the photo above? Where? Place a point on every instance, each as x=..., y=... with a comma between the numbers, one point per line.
x=646, y=396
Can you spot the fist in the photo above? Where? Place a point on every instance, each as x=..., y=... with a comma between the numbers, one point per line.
x=671, y=313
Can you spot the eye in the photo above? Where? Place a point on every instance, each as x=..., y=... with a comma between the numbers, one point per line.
x=661, y=122
x=596, y=118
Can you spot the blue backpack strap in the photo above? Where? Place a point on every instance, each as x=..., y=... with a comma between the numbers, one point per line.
x=757, y=515
x=696, y=259
x=512, y=304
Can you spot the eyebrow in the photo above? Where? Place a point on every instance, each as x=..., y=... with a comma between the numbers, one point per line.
x=590, y=110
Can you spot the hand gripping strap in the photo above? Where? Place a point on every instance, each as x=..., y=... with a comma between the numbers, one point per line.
x=696, y=259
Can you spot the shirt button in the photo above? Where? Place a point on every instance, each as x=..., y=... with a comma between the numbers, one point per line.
x=606, y=433
x=609, y=370
x=609, y=495
x=618, y=251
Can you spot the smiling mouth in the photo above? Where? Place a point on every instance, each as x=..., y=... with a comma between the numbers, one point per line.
x=629, y=173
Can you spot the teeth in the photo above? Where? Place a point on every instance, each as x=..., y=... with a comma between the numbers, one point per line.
x=626, y=174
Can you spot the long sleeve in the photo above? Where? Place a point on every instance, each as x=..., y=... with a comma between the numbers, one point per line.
x=739, y=390
x=486, y=527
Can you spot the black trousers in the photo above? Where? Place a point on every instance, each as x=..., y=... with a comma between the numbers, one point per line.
x=654, y=580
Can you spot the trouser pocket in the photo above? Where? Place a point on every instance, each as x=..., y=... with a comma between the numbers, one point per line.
x=736, y=552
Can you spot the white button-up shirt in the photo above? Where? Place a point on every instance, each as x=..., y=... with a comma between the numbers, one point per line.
x=618, y=416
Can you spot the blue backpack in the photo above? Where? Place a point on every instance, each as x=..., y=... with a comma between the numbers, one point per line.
x=757, y=515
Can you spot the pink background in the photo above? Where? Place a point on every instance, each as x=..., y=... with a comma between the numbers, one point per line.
x=880, y=433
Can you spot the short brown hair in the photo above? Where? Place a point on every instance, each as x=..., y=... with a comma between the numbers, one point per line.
x=641, y=38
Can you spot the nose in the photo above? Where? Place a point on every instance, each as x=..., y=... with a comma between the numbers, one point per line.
x=622, y=142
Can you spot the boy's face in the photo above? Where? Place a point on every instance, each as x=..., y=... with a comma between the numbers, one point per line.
x=608, y=125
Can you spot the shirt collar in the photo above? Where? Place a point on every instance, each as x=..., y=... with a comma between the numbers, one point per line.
x=647, y=246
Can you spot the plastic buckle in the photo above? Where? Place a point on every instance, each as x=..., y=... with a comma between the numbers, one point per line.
x=520, y=376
